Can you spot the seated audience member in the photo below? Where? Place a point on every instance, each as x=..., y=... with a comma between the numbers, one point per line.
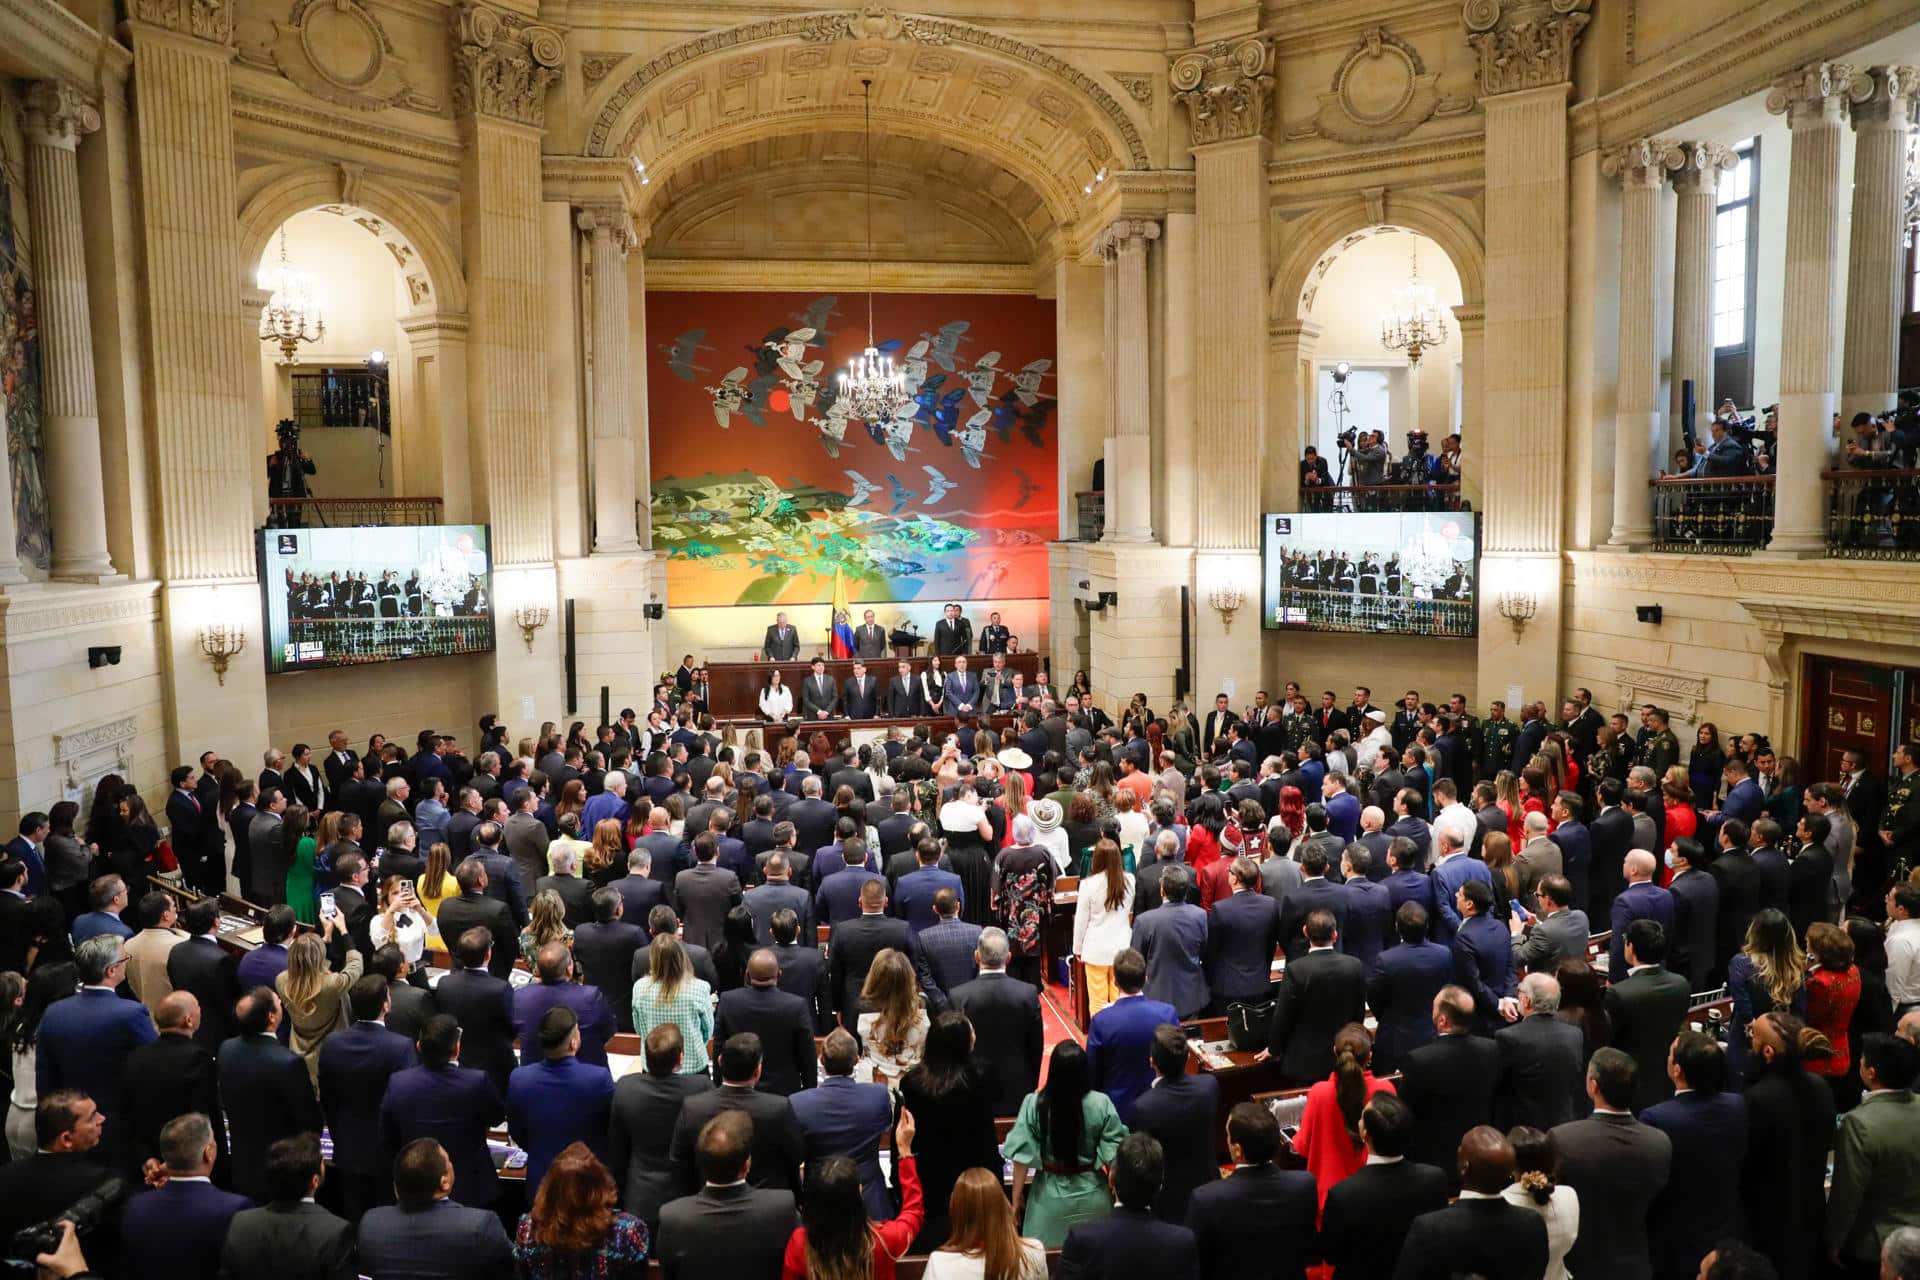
x=1367, y=1215
x=1481, y=1233
x=451, y=1104
x=729, y=1227
x=426, y=1234
x=181, y=1226
x=290, y=1237
x=576, y=1227
x=1130, y=1241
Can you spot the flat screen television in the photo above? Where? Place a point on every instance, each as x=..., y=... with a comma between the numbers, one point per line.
x=1371, y=572
x=346, y=597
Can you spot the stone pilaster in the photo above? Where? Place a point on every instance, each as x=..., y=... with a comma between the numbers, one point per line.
x=1695, y=183
x=610, y=236
x=1109, y=449
x=56, y=118
x=1290, y=348
x=1130, y=458
x=1471, y=322
x=640, y=428
x=10, y=574
x=1816, y=100
x=1641, y=168
x=1876, y=245
x=1079, y=312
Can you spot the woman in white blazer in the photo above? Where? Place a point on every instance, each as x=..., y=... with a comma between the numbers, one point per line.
x=1102, y=921
x=776, y=700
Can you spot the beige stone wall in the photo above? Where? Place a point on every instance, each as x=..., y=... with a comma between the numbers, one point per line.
x=395, y=698
x=1389, y=665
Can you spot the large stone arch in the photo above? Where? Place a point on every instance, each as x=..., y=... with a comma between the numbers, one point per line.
x=423, y=254
x=1309, y=239
x=1046, y=120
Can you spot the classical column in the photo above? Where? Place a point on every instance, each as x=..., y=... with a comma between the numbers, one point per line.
x=1079, y=314
x=1876, y=245
x=1641, y=166
x=1130, y=458
x=10, y=574
x=56, y=117
x=1695, y=183
x=503, y=67
x=611, y=234
x=1109, y=482
x=1816, y=101
x=641, y=429
x=1472, y=325
x=1290, y=348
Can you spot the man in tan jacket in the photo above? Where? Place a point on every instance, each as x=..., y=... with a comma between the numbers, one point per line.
x=147, y=950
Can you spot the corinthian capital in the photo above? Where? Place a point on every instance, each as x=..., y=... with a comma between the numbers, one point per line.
x=1819, y=91
x=58, y=115
x=1227, y=89
x=1701, y=165
x=1644, y=162
x=503, y=65
x=1524, y=44
x=1894, y=92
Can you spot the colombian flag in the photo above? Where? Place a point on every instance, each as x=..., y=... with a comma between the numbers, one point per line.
x=842, y=618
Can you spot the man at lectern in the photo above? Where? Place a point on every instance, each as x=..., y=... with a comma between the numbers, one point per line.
x=953, y=634
x=783, y=642
x=869, y=639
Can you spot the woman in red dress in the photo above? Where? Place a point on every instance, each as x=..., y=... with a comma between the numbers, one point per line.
x=1682, y=820
x=1329, y=1135
x=1207, y=816
x=1833, y=989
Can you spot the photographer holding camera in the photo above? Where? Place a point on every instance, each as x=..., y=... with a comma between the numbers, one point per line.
x=60, y=1184
x=287, y=472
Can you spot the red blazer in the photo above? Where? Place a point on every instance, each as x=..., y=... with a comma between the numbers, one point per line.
x=890, y=1238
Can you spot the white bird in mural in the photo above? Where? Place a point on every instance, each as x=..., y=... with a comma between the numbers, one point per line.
x=979, y=379
x=1026, y=383
x=730, y=397
x=938, y=489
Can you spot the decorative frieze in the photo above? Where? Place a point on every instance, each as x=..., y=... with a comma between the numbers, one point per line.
x=1227, y=89
x=503, y=65
x=1524, y=44
x=206, y=19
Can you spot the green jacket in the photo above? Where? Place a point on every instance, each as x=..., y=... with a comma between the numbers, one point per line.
x=1876, y=1174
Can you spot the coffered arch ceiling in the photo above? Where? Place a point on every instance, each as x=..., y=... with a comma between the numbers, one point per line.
x=803, y=195
x=934, y=79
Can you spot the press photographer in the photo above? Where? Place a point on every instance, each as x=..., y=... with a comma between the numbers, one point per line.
x=287, y=472
x=61, y=1181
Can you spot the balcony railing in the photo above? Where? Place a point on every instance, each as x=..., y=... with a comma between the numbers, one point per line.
x=348, y=513
x=1381, y=497
x=356, y=640
x=1728, y=516
x=1873, y=515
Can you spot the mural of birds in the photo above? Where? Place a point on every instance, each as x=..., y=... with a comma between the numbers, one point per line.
x=818, y=312
x=833, y=428
x=790, y=349
x=862, y=488
x=973, y=438
x=946, y=414
x=1027, y=488
x=979, y=379
x=1026, y=383
x=897, y=431
x=730, y=397
x=1034, y=419
x=901, y=494
x=758, y=392
x=939, y=486
x=946, y=342
x=913, y=367
x=681, y=351
x=803, y=388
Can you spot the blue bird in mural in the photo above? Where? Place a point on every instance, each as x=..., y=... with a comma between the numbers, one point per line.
x=947, y=417
x=928, y=397
x=901, y=494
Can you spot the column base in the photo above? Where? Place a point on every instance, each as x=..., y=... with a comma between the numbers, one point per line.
x=631, y=547
x=1628, y=540
x=1794, y=547
x=93, y=573
x=1131, y=538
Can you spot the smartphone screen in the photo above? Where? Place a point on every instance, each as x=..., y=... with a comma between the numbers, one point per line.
x=327, y=908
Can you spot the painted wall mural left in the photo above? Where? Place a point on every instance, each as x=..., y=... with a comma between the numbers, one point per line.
x=20, y=380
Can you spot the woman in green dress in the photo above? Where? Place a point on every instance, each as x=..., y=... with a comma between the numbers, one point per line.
x=300, y=896
x=1065, y=1135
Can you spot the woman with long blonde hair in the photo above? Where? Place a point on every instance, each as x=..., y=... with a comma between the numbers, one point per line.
x=546, y=922
x=1768, y=973
x=315, y=997
x=671, y=993
x=436, y=883
x=894, y=1033
x=984, y=1243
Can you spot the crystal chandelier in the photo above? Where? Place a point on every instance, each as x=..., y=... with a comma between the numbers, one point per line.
x=1414, y=324
x=1910, y=204
x=871, y=387
x=292, y=315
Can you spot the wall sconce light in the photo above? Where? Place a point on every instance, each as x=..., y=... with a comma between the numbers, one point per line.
x=1647, y=613
x=222, y=642
x=1518, y=607
x=1224, y=600
x=530, y=617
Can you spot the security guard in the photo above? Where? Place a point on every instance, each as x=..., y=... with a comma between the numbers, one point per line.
x=1663, y=749
x=993, y=637
x=1497, y=734
x=1900, y=820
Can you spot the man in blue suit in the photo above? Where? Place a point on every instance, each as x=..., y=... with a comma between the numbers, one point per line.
x=1408, y=882
x=1173, y=938
x=913, y=895
x=356, y=1063
x=1483, y=953
x=84, y=1041
x=1130, y=1240
x=1242, y=931
x=1707, y=1124
x=949, y=948
x=559, y=1100
x=1369, y=907
x=847, y=1118
x=29, y=846
x=838, y=897
x=1642, y=899
x=963, y=689
x=450, y=1104
x=1745, y=800
x=1452, y=868
x=556, y=987
x=427, y=1235
x=1401, y=988
x=777, y=893
x=1343, y=808
x=260, y=966
x=1576, y=845
x=1314, y=893
x=1121, y=1035
x=1179, y=1110
x=180, y=1226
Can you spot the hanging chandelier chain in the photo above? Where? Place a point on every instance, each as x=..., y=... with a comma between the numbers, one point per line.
x=872, y=388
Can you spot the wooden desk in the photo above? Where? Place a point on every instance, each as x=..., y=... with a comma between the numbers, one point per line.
x=733, y=688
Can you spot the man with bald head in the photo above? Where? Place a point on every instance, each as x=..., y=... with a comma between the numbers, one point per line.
x=1909, y=1028
x=553, y=964
x=783, y=1022
x=171, y=1075
x=1479, y=1234
x=1642, y=899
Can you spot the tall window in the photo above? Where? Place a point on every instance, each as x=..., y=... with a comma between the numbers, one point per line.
x=1735, y=237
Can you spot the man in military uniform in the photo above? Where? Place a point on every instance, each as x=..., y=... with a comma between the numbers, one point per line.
x=994, y=637
x=1900, y=820
x=1497, y=734
x=1469, y=733
x=1663, y=749
x=1406, y=721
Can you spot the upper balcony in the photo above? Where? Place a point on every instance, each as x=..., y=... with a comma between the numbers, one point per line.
x=1871, y=514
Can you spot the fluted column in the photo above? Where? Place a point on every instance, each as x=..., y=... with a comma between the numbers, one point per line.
x=1638, y=442
x=10, y=573
x=1816, y=101
x=611, y=235
x=1695, y=183
x=1130, y=461
x=1472, y=325
x=56, y=118
x=1290, y=348
x=1110, y=342
x=1876, y=245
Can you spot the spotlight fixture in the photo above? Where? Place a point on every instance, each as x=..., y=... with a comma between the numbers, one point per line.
x=1342, y=371
x=654, y=611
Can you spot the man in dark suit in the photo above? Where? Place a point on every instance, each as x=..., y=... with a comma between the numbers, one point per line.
x=1449, y=1081
x=427, y=1234
x=558, y=1100
x=846, y=1117
x=860, y=695
x=783, y=1023
x=188, y=823
x=854, y=943
x=1173, y=938
x=1319, y=993
x=1401, y=987
x=1482, y=957
x=1696, y=913
x=914, y=893
x=782, y=642
x=953, y=634
x=65, y=1166
x=1005, y=1013
x=1533, y=732
x=1707, y=1127
x=171, y=1076
x=181, y=1226
x=85, y=1040
x=1120, y=1037
x=604, y=951
x=1131, y=1240
x=1369, y=903
x=1242, y=933
x=553, y=964
x=778, y=1149
x=1314, y=893
x=356, y=1062
x=408, y=1006
x=1618, y=1166
x=1647, y=1006
x=265, y=1091
x=803, y=967
x=704, y=893
x=202, y=966
x=646, y=1106
x=1611, y=836
x=869, y=638
x=475, y=908
x=1542, y=1077
x=483, y=1006
x=1738, y=880
x=819, y=694
x=1257, y=1224
x=729, y=1227
x=575, y=894
x=638, y=889
x=1179, y=1111
x=776, y=893
x=1641, y=899
x=1481, y=1233
x=338, y=764
x=451, y=1104
x=1367, y=1215
x=289, y=1225
x=1213, y=734
x=903, y=693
